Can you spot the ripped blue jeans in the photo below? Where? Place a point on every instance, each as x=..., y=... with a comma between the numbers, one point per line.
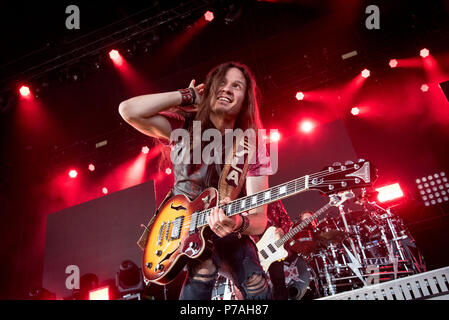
x=241, y=260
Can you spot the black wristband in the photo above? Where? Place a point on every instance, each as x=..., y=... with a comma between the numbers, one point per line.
x=192, y=91
x=244, y=226
x=188, y=97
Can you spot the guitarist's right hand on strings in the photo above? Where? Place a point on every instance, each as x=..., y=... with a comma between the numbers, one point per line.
x=221, y=224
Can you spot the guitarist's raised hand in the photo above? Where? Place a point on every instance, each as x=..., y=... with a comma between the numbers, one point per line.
x=221, y=224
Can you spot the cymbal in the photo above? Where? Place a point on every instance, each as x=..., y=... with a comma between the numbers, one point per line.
x=304, y=246
x=330, y=236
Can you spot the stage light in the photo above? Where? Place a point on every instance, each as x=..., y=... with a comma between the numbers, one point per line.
x=91, y=167
x=424, y=53
x=129, y=278
x=275, y=136
x=355, y=111
x=168, y=171
x=424, y=88
x=393, y=63
x=73, y=173
x=299, y=96
x=307, y=126
x=114, y=55
x=209, y=16
x=390, y=192
x=99, y=294
x=41, y=294
x=145, y=150
x=433, y=189
x=105, y=190
x=24, y=91
x=366, y=73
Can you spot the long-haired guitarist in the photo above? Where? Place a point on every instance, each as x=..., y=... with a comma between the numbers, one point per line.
x=226, y=100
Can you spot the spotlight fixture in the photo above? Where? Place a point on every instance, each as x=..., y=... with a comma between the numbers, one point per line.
x=25, y=91
x=366, y=73
x=145, y=150
x=389, y=193
x=433, y=189
x=129, y=279
x=393, y=63
x=355, y=111
x=307, y=126
x=299, y=96
x=209, y=16
x=424, y=88
x=73, y=173
x=424, y=53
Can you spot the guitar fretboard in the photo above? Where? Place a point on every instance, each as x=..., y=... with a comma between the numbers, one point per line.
x=253, y=201
x=301, y=226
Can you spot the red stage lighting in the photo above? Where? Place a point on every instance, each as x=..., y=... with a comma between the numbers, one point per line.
x=99, y=294
x=105, y=190
x=390, y=192
x=168, y=171
x=24, y=91
x=355, y=111
x=299, y=96
x=114, y=55
x=424, y=53
x=424, y=88
x=307, y=126
x=145, y=150
x=73, y=173
x=366, y=73
x=393, y=63
x=209, y=16
x=91, y=167
x=275, y=136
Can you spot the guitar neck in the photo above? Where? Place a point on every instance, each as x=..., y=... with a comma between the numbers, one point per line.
x=258, y=199
x=302, y=225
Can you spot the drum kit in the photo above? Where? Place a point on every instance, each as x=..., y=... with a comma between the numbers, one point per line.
x=356, y=248
x=346, y=251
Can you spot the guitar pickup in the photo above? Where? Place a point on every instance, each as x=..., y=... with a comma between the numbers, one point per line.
x=176, y=229
x=161, y=232
x=193, y=222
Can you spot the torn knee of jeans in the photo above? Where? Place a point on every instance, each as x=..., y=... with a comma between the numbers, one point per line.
x=205, y=276
x=257, y=284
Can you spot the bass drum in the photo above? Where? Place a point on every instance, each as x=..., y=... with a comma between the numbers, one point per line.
x=300, y=280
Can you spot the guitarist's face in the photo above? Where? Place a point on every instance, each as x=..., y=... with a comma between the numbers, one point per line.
x=230, y=94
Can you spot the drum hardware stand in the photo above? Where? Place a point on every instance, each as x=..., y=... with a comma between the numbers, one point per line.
x=362, y=248
x=331, y=246
x=331, y=287
x=351, y=242
x=394, y=234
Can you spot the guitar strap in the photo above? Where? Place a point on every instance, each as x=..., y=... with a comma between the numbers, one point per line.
x=233, y=175
x=231, y=181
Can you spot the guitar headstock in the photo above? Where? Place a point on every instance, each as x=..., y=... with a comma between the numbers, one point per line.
x=338, y=177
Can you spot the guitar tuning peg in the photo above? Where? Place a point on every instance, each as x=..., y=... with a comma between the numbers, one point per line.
x=361, y=160
x=349, y=162
x=336, y=164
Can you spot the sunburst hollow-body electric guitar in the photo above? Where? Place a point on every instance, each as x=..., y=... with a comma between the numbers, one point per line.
x=179, y=232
